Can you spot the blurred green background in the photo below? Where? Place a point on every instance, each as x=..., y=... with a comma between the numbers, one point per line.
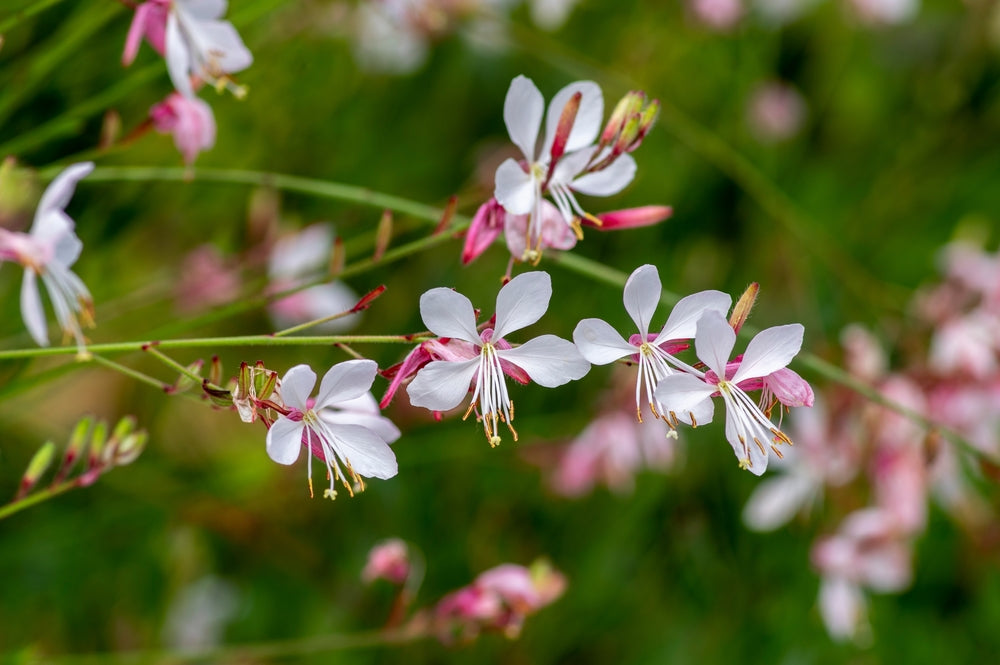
x=896, y=155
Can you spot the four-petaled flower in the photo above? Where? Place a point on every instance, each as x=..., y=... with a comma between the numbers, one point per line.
x=568, y=160
x=601, y=344
x=547, y=360
x=351, y=442
x=47, y=251
x=198, y=44
x=748, y=430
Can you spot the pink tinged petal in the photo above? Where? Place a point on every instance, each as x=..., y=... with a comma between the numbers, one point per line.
x=486, y=225
x=633, y=217
x=842, y=606
x=515, y=189
x=588, y=118
x=195, y=129
x=522, y=113
x=58, y=194
x=284, y=439
x=769, y=351
x=31, y=309
x=296, y=386
x=521, y=302
x=178, y=57
x=442, y=385
x=555, y=232
x=599, y=343
x=550, y=361
x=135, y=32
x=714, y=340
x=683, y=320
x=344, y=381
x=447, y=313
x=365, y=451
x=156, y=26
x=608, y=181
x=775, y=501
x=642, y=295
x=683, y=393
x=790, y=388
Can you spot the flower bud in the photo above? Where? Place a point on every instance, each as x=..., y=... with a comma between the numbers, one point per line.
x=741, y=310
x=383, y=235
x=74, y=450
x=129, y=448
x=628, y=106
x=566, y=121
x=631, y=217
x=38, y=465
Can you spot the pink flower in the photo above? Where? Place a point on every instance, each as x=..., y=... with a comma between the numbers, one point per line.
x=189, y=119
x=722, y=15
x=206, y=279
x=776, y=112
x=389, y=560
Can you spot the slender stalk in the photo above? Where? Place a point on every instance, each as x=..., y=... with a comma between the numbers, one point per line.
x=36, y=498
x=211, y=342
x=131, y=373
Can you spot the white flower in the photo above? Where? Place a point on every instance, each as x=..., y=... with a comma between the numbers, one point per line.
x=520, y=188
x=198, y=44
x=350, y=443
x=47, y=251
x=548, y=360
x=601, y=344
x=748, y=430
x=301, y=257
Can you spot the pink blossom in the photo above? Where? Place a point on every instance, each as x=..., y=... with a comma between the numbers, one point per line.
x=206, y=279
x=189, y=119
x=389, y=560
x=722, y=15
x=776, y=112
x=149, y=21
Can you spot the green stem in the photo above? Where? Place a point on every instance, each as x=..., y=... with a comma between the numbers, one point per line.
x=131, y=373
x=36, y=498
x=211, y=342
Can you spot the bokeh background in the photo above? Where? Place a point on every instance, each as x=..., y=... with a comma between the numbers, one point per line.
x=882, y=149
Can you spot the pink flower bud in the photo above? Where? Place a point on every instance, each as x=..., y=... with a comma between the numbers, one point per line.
x=631, y=217
x=486, y=225
x=389, y=560
x=190, y=120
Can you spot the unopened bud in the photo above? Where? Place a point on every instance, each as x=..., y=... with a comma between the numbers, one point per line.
x=565, y=127
x=124, y=428
x=368, y=298
x=628, y=135
x=383, y=235
x=111, y=129
x=129, y=448
x=215, y=371
x=633, y=217
x=741, y=311
x=38, y=465
x=99, y=450
x=75, y=448
x=447, y=215
x=628, y=106
x=646, y=121
x=338, y=257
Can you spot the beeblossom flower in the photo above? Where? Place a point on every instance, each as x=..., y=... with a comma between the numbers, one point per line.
x=189, y=120
x=199, y=44
x=567, y=162
x=547, y=360
x=351, y=443
x=748, y=429
x=47, y=252
x=601, y=344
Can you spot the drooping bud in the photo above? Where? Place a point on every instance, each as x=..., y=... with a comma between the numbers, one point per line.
x=383, y=235
x=38, y=465
x=566, y=121
x=631, y=217
x=446, y=216
x=741, y=310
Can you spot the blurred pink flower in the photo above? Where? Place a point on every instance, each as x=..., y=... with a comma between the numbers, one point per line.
x=885, y=12
x=722, y=15
x=776, y=112
x=389, y=560
x=191, y=122
x=206, y=279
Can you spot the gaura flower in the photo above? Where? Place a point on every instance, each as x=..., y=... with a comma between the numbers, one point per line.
x=198, y=44
x=601, y=344
x=189, y=120
x=567, y=161
x=547, y=360
x=748, y=430
x=47, y=252
x=350, y=444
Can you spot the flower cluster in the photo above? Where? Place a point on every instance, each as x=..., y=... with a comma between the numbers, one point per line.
x=198, y=48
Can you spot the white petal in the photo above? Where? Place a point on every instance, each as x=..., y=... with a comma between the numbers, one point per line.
x=346, y=380
x=515, y=189
x=379, y=424
x=178, y=57
x=447, y=313
x=365, y=450
x=296, y=386
x=571, y=165
x=442, y=384
x=713, y=342
x=220, y=44
x=769, y=351
x=59, y=192
x=682, y=393
x=521, y=302
x=642, y=295
x=599, y=343
x=588, y=118
x=843, y=608
x=67, y=246
x=522, y=113
x=607, y=181
x=747, y=450
x=284, y=439
x=31, y=309
x=550, y=361
x=776, y=500
x=202, y=9
x=300, y=254
x=683, y=320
